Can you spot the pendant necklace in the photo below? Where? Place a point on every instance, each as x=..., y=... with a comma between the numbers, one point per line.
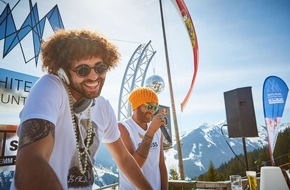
x=89, y=130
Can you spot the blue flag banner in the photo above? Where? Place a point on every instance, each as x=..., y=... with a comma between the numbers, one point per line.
x=275, y=93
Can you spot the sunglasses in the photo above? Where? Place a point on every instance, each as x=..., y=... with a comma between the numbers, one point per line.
x=84, y=70
x=151, y=107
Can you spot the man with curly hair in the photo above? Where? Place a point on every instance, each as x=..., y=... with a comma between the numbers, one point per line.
x=65, y=118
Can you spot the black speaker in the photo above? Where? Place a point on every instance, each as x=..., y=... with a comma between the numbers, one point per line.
x=240, y=113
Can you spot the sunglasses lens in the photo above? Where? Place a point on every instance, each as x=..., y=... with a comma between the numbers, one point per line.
x=101, y=68
x=149, y=107
x=83, y=70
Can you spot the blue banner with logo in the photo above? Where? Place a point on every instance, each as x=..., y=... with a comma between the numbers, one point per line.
x=275, y=93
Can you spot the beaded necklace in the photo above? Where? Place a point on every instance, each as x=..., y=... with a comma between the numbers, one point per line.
x=89, y=131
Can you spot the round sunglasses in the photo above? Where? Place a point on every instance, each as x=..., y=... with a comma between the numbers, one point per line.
x=84, y=70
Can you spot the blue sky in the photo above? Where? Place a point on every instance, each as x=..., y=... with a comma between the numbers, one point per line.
x=241, y=43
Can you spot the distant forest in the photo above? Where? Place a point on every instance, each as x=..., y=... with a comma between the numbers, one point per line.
x=256, y=159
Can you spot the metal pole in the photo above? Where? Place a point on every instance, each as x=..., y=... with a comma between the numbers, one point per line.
x=245, y=153
x=181, y=169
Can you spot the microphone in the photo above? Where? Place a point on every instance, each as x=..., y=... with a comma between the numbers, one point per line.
x=165, y=132
x=163, y=128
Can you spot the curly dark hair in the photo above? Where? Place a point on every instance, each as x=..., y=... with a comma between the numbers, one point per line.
x=66, y=46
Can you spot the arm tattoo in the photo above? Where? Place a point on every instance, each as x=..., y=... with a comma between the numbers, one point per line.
x=144, y=147
x=33, y=130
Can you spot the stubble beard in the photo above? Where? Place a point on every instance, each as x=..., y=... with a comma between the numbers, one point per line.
x=80, y=90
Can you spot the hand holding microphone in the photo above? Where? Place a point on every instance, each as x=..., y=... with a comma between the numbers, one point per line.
x=161, y=121
x=157, y=121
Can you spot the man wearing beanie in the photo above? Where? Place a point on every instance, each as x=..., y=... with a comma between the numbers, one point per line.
x=142, y=136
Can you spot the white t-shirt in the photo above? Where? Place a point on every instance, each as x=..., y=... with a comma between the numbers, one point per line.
x=49, y=100
x=150, y=169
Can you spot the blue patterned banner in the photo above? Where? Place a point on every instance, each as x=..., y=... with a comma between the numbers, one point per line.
x=275, y=93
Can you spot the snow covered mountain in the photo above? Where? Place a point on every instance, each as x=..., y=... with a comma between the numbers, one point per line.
x=211, y=143
x=199, y=146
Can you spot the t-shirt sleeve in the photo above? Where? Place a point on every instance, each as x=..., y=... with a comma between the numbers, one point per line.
x=44, y=100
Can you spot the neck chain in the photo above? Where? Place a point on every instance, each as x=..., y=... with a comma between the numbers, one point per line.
x=85, y=152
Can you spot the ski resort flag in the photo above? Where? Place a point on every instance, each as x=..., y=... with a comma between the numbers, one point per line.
x=275, y=93
x=193, y=39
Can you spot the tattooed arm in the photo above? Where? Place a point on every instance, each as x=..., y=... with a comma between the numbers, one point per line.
x=36, y=139
x=128, y=165
x=141, y=153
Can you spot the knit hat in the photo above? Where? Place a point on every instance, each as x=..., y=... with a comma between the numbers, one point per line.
x=142, y=95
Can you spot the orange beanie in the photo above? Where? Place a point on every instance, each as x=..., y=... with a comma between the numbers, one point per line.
x=142, y=95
